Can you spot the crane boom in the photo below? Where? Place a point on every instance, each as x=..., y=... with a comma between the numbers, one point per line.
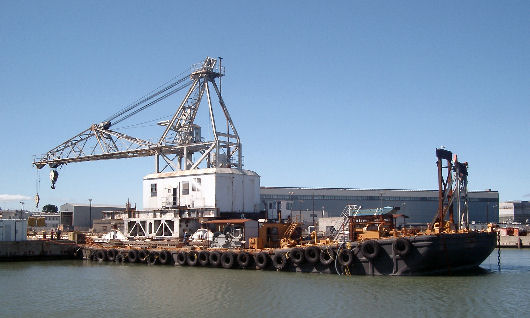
x=180, y=138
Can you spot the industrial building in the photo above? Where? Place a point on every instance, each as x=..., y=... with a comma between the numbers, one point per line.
x=81, y=216
x=44, y=220
x=14, y=214
x=514, y=211
x=13, y=230
x=419, y=205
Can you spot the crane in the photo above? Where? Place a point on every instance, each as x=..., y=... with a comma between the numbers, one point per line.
x=180, y=145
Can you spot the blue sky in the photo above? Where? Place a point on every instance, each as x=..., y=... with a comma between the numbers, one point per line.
x=344, y=94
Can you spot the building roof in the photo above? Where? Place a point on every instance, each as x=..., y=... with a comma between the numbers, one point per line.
x=229, y=221
x=357, y=191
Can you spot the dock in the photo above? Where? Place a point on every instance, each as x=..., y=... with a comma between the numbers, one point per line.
x=37, y=250
x=515, y=241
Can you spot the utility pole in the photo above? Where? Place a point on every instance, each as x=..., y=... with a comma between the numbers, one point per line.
x=90, y=214
x=292, y=205
x=22, y=212
x=313, y=198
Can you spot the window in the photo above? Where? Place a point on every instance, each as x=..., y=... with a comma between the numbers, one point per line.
x=185, y=188
x=153, y=189
x=196, y=184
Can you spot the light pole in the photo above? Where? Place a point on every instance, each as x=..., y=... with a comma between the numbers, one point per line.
x=313, y=199
x=90, y=214
x=404, y=205
x=292, y=205
x=22, y=212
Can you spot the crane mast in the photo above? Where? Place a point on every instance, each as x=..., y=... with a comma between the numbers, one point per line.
x=181, y=145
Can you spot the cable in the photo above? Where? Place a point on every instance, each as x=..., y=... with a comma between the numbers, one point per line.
x=145, y=122
x=151, y=103
x=152, y=94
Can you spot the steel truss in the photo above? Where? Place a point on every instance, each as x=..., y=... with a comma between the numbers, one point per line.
x=178, y=143
x=452, y=190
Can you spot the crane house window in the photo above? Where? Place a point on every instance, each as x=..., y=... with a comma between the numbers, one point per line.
x=185, y=188
x=153, y=190
x=196, y=184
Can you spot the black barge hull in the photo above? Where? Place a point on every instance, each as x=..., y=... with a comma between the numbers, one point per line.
x=416, y=255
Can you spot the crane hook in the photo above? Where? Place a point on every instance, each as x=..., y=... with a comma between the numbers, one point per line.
x=37, y=200
x=53, y=177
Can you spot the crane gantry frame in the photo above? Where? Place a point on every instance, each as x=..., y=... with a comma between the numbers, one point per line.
x=180, y=139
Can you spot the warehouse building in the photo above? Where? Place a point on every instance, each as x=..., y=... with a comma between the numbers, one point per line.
x=81, y=216
x=514, y=211
x=419, y=205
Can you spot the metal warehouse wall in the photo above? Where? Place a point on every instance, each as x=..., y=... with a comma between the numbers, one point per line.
x=419, y=205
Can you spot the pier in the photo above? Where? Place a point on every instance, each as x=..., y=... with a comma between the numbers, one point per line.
x=37, y=250
x=515, y=241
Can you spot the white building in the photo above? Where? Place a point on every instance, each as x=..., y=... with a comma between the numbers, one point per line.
x=178, y=202
x=514, y=211
x=212, y=190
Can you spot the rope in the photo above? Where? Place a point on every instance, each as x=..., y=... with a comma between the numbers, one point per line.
x=499, y=251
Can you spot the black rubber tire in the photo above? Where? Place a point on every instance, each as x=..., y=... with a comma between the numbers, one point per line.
x=261, y=259
x=345, y=257
x=279, y=261
x=244, y=259
x=215, y=258
x=100, y=255
x=401, y=246
x=370, y=249
x=192, y=258
x=327, y=256
x=312, y=254
x=204, y=258
x=227, y=260
x=164, y=257
x=120, y=259
x=111, y=255
x=132, y=256
x=143, y=255
x=181, y=258
x=297, y=256
x=152, y=259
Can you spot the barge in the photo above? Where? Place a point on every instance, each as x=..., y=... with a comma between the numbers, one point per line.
x=200, y=181
x=416, y=255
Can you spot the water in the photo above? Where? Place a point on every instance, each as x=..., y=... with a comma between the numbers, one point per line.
x=87, y=289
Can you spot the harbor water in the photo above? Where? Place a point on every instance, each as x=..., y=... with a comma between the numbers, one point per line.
x=77, y=288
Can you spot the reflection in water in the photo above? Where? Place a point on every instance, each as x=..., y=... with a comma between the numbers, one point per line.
x=86, y=289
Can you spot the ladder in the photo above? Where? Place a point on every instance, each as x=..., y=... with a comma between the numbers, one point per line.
x=346, y=213
x=290, y=230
